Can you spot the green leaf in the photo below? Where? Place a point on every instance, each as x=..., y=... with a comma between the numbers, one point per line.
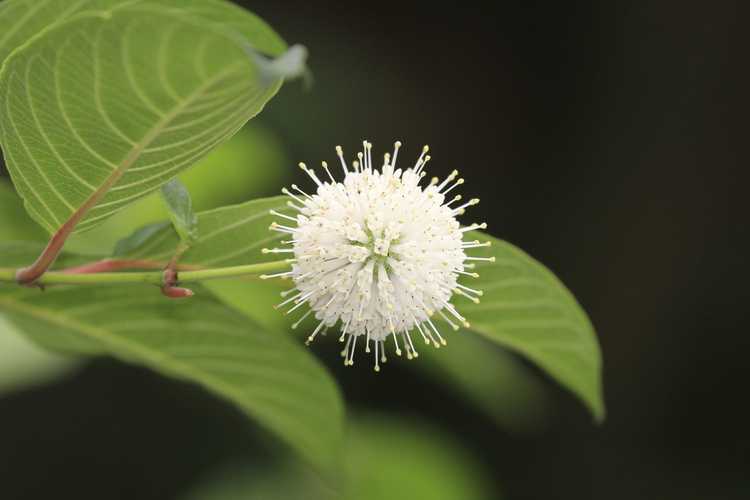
x=27, y=18
x=140, y=236
x=271, y=378
x=180, y=209
x=528, y=310
x=124, y=99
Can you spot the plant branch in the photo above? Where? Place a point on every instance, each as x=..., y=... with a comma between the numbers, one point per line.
x=149, y=277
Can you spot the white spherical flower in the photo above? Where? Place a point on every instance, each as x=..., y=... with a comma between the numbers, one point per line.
x=377, y=254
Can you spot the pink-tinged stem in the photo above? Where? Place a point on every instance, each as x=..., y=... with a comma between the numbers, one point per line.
x=29, y=275
x=109, y=265
x=175, y=292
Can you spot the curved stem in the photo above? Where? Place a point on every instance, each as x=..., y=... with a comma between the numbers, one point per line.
x=153, y=278
x=48, y=256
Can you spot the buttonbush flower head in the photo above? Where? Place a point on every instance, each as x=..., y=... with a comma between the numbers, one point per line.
x=378, y=254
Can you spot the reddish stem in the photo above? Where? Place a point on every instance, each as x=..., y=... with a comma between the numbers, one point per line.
x=109, y=265
x=28, y=275
x=175, y=292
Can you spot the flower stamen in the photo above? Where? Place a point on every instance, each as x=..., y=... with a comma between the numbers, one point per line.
x=377, y=253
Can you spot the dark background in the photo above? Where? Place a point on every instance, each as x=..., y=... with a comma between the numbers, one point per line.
x=605, y=139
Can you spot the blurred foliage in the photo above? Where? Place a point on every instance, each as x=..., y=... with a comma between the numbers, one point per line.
x=494, y=380
x=24, y=365
x=393, y=458
x=385, y=458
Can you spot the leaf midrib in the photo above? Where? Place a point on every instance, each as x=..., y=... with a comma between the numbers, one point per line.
x=151, y=135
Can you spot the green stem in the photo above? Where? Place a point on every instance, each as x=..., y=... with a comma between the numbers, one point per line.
x=153, y=278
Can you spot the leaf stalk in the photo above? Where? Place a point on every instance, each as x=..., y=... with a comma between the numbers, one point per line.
x=149, y=277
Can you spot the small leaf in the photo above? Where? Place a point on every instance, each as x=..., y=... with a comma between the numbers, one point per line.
x=123, y=99
x=528, y=310
x=134, y=241
x=272, y=379
x=180, y=209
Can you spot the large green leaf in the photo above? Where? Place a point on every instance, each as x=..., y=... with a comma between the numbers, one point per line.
x=525, y=308
x=268, y=376
x=528, y=310
x=124, y=98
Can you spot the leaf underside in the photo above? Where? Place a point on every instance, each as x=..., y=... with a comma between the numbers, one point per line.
x=103, y=108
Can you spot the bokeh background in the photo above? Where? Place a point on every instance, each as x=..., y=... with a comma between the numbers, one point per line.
x=604, y=138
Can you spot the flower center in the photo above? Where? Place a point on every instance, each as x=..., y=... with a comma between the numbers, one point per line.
x=372, y=246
